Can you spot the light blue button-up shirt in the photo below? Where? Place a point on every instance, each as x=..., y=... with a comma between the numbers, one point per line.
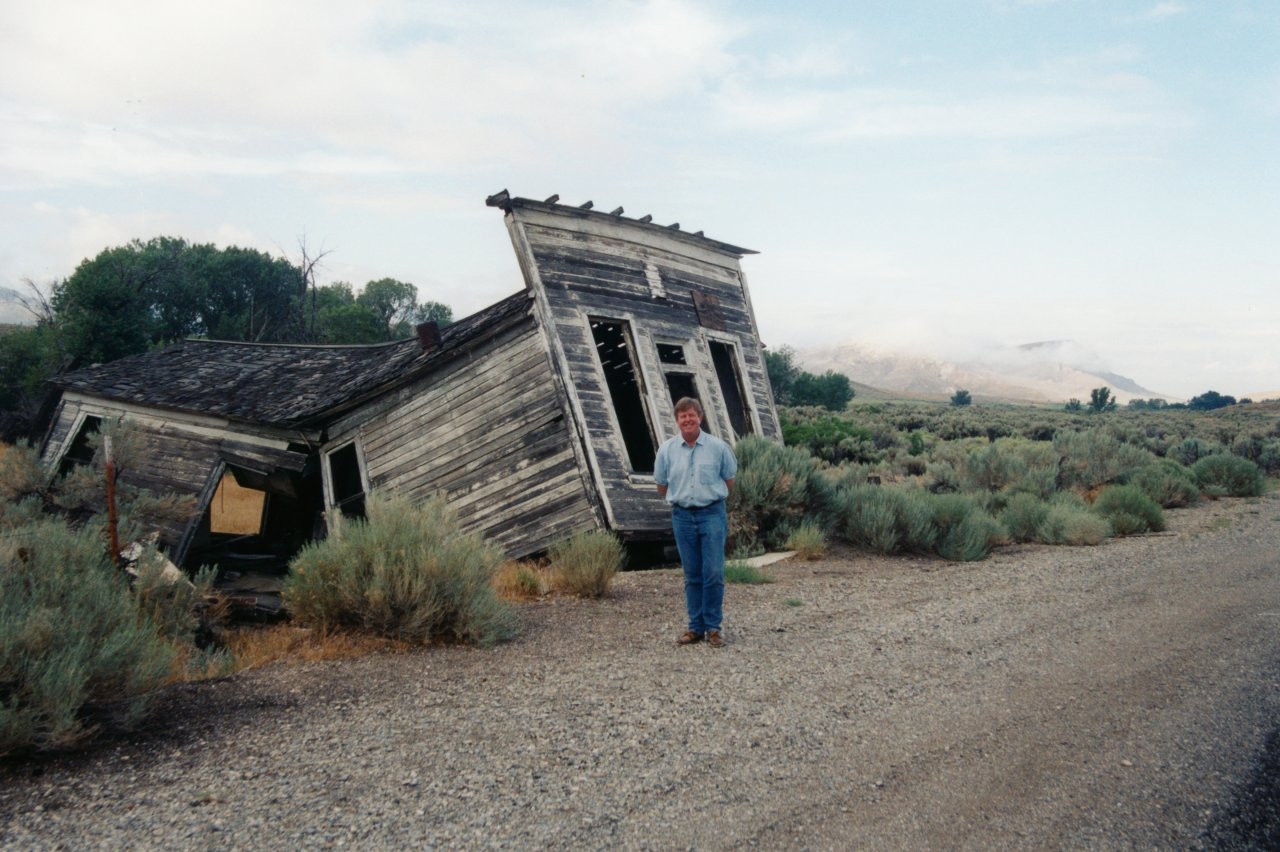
x=697, y=475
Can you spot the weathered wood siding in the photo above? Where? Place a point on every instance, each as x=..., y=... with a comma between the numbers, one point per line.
x=620, y=270
x=489, y=431
x=173, y=455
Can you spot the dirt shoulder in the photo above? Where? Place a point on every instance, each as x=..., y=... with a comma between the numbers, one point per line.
x=1118, y=696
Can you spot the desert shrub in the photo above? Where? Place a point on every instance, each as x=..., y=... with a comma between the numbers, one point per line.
x=1248, y=445
x=586, y=563
x=915, y=466
x=21, y=477
x=808, y=541
x=1129, y=510
x=989, y=469
x=1269, y=458
x=831, y=438
x=1230, y=475
x=519, y=581
x=869, y=517
x=1072, y=523
x=26, y=491
x=1024, y=517
x=942, y=477
x=886, y=519
x=1094, y=458
x=1168, y=483
x=737, y=571
x=965, y=532
x=893, y=520
x=848, y=476
x=76, y=656
x=406, y=572
x=173, y=604
x=1190, y=450
x=777, y=488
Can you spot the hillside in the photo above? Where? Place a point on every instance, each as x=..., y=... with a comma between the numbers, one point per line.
x=1047, y=372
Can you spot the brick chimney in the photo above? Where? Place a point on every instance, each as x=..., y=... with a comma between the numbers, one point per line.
x=429, y=335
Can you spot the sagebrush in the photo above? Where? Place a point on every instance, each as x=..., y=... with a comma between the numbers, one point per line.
x=76, y=653
x=586, y=563
x=406, y=572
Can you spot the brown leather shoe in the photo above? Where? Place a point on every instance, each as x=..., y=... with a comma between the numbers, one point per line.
x=688, y=638
x=714, y=639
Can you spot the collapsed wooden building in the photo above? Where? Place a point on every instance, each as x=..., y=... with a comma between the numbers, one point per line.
x=537, y=417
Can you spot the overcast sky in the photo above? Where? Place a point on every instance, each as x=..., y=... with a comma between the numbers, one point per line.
x=939, y=176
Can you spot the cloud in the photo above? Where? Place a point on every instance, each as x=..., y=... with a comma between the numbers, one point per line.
x=1163, y=11
x=259, y=88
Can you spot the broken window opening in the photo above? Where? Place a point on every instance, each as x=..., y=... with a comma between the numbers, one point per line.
x=348, y=485
x=731, y=386
x=622, y=375
x=236, y=509
x=251, y=552
x=670, y=353
x=80, y=451
x=681, y=385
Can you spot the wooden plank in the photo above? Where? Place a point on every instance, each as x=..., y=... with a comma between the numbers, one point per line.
x=456, y=440
x=533, y=496
x=531, y=458
x=661, y=249
x=453, y=473
x=463, y=429
x=498, y=372
x=455, y=395
x=475, y=359
x=499, y=481
x=522, y=536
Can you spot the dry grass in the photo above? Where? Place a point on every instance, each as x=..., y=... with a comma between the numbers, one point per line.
x=521, y=581
x=585, y=564
x=808, y=541
x=257, y=646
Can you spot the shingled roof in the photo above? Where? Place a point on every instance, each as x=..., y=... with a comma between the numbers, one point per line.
x=278, y=384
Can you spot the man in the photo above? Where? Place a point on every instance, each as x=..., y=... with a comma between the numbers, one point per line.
x=694, y=471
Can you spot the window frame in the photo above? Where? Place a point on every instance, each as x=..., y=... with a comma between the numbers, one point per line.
x=751, y=412
x=326, y=470
x=632, y=334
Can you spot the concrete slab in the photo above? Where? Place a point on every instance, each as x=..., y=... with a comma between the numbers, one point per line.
x=768, y=558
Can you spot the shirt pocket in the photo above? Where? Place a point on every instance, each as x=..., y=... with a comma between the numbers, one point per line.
x=708, y=475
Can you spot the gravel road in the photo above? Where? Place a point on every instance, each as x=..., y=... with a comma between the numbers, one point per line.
x=1120, y=696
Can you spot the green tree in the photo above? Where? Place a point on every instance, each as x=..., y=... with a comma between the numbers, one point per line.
x=102, y=309
x=392, y=302
x=28, y=356
x=831, y=390
x=340, y=320
x=349, y=324
x=131, y=297
x=252, y=296
x=437, y=312
x=1073, y=404
x=1100, y=400
x=1210, y=400
x=782, y=371
x=961, y=398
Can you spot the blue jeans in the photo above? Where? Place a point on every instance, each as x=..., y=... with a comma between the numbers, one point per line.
x=700, y=536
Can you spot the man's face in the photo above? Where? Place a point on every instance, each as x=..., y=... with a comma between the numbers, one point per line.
x=690, y=423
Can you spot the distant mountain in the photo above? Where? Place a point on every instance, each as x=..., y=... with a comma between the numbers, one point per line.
x=11, y=309
x=1047, y=371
